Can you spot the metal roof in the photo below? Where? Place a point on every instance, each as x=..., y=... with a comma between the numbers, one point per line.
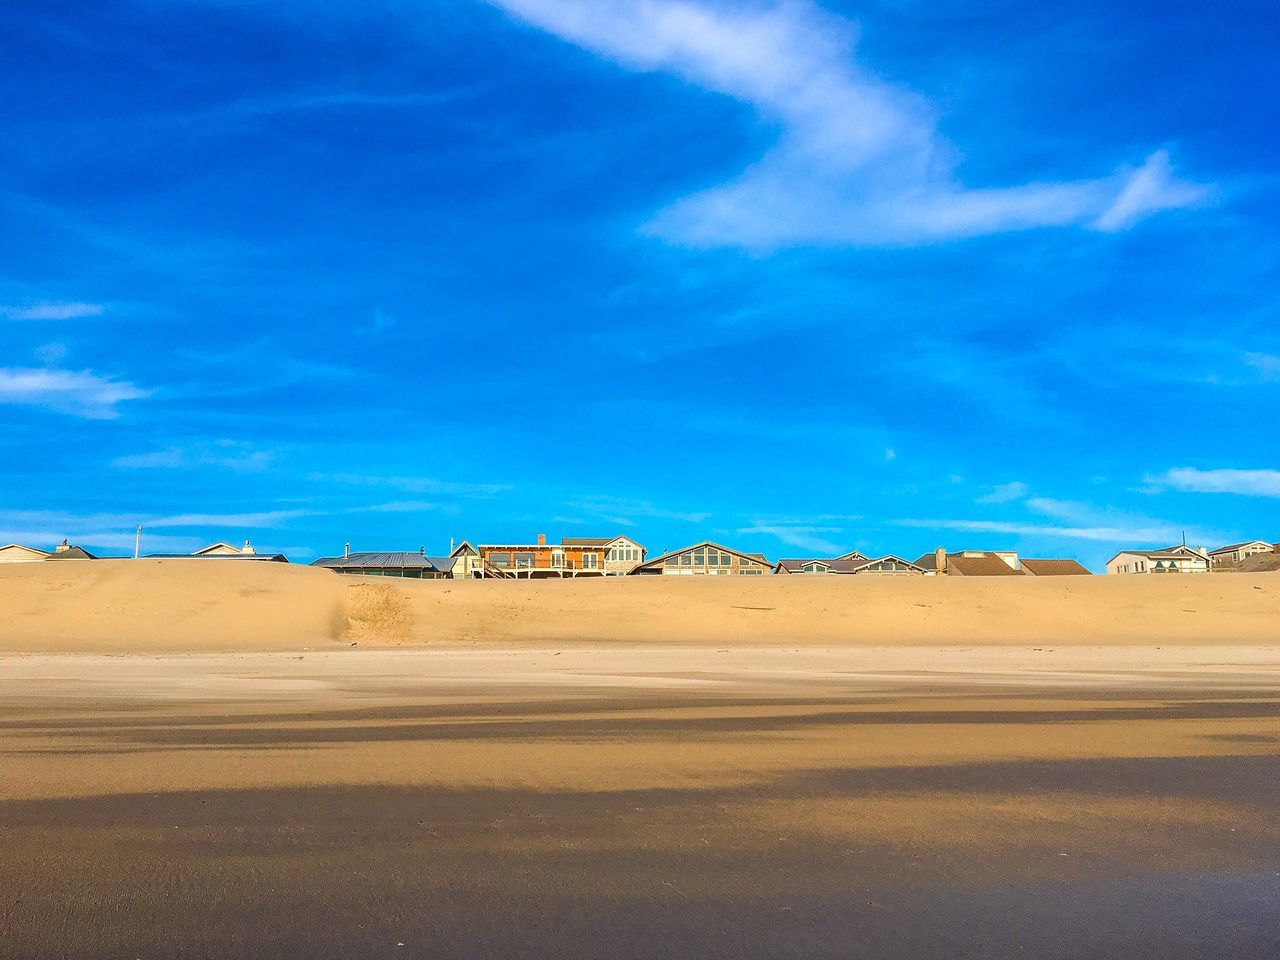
x=401, y=561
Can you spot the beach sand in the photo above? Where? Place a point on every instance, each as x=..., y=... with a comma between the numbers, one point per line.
x=178, y=795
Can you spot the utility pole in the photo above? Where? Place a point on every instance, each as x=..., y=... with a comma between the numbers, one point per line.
x=137, y=542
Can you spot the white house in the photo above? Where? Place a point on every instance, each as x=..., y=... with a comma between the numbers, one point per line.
x=1179, y=559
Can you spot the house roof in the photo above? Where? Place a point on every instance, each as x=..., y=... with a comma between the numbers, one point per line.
x=398, y=561
x=984, y=564
x=221, y=544
x=269, y=557
x=72, y=553
x=462, y=547
x=1166, y=553
x=1055, y=568
x=1232, y=547
x=757, y=557
x=853, y=555
x=586, y=541
x=838, y=564
x=23, y=546
x=842, y=564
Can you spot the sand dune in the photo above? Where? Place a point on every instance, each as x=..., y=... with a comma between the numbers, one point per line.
x=823, y=610
x=143, y=606
x=189, y=605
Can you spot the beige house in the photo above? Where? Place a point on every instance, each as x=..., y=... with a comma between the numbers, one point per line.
x=623, y=554
x=1179, y=559
x=223, y=549
x=705, y=559
x=17, y=553
x=466, y=561
x=1238, y=552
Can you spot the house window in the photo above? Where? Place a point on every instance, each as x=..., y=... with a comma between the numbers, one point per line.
x=500, y=559
x=524, y=560
x=557, y=559
x=750, y=570
x=686, y=559
x=670, y=561
x=590, y=561
x=815, y=568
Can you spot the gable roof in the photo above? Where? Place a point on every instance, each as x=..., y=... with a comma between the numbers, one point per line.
x=464, y=546
x=220, y=545
x=23, y=546
x=1176, y=552
x=756, y=557
x=1055, y=568
x=843, y=564
x=1233, y=547
x=596, y=541
x=852, y=555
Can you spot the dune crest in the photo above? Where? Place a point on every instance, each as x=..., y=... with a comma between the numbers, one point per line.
x=155, y=606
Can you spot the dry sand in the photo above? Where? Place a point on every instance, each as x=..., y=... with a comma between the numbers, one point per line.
x=1108, y=792
x=151, y=606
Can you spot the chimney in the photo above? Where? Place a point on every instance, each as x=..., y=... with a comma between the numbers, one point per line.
x=422, y=551
x=63, y=547
x=346, y=550
x=248, y=548
x=542, y=539
x=940, y=560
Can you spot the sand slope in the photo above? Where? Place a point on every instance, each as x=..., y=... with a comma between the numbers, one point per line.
x=144, y=606
x=823, y=610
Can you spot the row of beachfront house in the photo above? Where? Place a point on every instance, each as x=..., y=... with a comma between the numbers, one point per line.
x=576, y=557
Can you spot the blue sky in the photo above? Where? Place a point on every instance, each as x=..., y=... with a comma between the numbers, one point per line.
x=796, y=277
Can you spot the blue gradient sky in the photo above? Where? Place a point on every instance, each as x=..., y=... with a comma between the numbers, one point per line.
x=797, y=278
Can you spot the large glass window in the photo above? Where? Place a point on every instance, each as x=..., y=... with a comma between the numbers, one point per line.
x=671, y=561
x=590, y=561
x=500, y=559
x=557, y=559
x=524, y=560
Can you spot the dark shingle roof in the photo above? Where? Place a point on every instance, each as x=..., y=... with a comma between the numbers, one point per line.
x=71, y=553
x=1055, y=568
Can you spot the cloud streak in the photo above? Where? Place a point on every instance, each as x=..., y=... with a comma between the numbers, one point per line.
x=804, y=537
x=859, y=161
x=76, y=392
x=51, y=311
x=1250, y=483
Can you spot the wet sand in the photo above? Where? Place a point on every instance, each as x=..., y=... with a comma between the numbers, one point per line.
x=643, y=802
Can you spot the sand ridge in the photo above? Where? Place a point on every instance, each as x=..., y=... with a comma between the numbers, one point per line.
x=156, y=606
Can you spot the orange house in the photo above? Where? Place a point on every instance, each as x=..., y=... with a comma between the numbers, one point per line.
x=540, y=560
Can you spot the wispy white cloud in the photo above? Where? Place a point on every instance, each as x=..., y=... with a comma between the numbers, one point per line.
x=624, y=510
x=1252, y=483
x=80, y=393
x=1005, y=493
x=419, y=485
x=1151, y=189
x=404, y=506
x=225, y=454
x=51, y=311
x=268, y=518
x=1267, y=366
x=810, y=538
x=858, y=160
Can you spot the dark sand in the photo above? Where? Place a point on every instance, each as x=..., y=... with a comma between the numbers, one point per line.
x=388, y=804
